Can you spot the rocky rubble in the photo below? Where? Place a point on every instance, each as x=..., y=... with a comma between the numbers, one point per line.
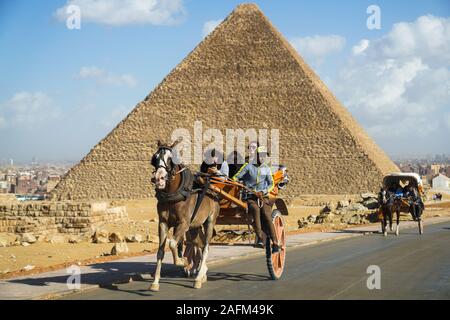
x=345, y=212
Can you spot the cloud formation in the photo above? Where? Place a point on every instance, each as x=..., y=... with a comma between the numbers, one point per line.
x=125, y=12
x=398, y=85
x=27, y=110
x=106, y=78
x=316, y=48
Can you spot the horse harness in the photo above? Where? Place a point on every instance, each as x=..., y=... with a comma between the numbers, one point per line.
x=186, y=187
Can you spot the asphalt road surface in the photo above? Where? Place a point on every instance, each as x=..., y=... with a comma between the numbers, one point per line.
x=411, y=267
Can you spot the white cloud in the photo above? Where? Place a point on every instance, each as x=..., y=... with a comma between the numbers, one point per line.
x=106, y=78
x=360, y=47
x=427, y=37
x=124, y=12
x=316, y=48
x=399, y=84
x=27, y=109
x=209, y=26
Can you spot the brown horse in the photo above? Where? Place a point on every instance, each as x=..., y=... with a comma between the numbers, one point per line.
x=178, y=208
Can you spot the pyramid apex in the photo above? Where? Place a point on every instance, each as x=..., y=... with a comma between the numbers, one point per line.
x=247, y=7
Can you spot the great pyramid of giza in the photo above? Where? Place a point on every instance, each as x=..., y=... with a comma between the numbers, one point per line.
x=243, y=75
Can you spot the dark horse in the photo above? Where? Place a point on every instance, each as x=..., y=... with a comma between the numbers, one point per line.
x=178, y=208
x=390, y=203
x=386, y=199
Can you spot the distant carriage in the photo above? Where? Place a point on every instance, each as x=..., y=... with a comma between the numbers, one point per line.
x=401, y=192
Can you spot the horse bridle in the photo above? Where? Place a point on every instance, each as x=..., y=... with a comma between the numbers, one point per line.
x=170, y=170
x=159, y=162
x=386, y=196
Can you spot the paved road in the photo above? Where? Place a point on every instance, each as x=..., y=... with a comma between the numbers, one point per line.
x=412, y=267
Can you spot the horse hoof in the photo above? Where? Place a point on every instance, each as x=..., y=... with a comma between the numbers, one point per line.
x=154, y=287
x=205, y=279
x=385, y=233
x=198, y=284
x=396, y=232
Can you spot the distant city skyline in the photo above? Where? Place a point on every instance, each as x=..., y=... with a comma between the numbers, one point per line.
x=64, y=90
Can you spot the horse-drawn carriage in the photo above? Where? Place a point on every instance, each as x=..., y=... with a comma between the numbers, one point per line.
x=401, y=192
x=193, y=212
x=233, y=211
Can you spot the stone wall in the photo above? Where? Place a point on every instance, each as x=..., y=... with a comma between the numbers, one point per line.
x=43, y=218
x=243, y=75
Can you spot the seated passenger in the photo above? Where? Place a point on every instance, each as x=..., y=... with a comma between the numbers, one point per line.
x=214, y=163
x=234, y=162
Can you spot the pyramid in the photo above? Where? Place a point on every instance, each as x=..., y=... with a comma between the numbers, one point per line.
x=242, y=75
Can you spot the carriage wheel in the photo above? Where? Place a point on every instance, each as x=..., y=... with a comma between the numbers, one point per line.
x=193, y=256
x=275, y=261
x=420, y=226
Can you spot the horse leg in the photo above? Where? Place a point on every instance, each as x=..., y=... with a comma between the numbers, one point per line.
x=384, y=224
x=397, y=229
x=178, y=236
x=202, y=276
x=163, y=228
x=390, y=216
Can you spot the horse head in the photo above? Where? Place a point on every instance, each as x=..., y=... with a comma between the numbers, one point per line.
x=162, y=161
x=385, y=197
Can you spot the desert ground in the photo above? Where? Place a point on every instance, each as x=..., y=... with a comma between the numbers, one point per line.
x=142, y=221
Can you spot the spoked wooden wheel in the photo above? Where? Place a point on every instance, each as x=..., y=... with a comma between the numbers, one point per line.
x=275, y=261
x=193, y=256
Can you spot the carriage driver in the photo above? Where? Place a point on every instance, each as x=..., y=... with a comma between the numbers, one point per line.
x=257, y=176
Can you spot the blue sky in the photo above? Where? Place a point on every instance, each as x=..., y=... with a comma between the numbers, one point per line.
x=63, y=90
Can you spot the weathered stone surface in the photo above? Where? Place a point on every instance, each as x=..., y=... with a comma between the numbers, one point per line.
x=355, y=207
x=369, y=195
x=325, y=217
x=101, y=236
x=134, y=238
x=371, y=203
x=302, y=223
x=342, y=204
x=75, y=239
x=28, y=237
x=328, y=208
x=41, y=219
x=119, y=248
x=247, y=69
x=116, y=237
